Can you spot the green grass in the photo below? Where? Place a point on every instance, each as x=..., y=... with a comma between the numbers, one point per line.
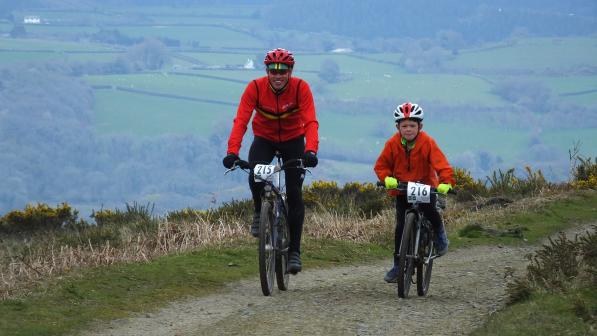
x=456, y=89
x=545, y=314
x=52, y=45
x=60, y=30
x=194, y=87
x=99, y=294
x=116, y=291
x=347, y=64
x=536, y=224
x=20, y=56
x=141, y=115
x=214, y=37
x=529, y=54
x=30, y=56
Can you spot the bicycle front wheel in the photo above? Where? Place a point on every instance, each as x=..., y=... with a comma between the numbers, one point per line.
x=407, y=255
x=282, y=276
x=425, y=264
x=266, y=249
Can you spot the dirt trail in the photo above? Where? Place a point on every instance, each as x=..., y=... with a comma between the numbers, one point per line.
x=466, y=286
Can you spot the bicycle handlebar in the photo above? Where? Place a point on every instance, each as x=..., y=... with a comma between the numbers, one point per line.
x=402, y=187
x=245, y=165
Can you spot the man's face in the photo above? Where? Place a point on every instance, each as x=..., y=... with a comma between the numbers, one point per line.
x=278, y=77
x=408, y=129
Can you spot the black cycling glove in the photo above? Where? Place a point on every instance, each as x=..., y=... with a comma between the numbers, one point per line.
x=310, y=159
x=229, y=160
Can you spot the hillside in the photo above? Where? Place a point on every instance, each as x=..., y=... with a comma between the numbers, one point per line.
x=157, y=88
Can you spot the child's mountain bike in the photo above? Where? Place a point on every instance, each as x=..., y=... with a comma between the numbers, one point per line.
x=417, y=248
x=273, y=226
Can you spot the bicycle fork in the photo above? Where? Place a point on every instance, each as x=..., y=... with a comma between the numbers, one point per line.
x=277, y=234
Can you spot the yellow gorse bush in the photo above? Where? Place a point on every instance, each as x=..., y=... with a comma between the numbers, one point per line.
x=468, y=186
x=585, y=174
x=39, y=217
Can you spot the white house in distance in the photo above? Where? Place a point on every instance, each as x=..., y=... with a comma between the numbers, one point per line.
x=31, y=19
x=249, y=64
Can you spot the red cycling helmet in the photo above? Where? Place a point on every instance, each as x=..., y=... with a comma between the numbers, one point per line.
x=408, y=111
x=279, y=55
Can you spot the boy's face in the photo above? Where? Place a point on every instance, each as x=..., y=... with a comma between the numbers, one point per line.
x=409, y=129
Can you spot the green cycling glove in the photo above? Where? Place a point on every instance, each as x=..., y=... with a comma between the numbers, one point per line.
x=391, y=183
x=444, y=188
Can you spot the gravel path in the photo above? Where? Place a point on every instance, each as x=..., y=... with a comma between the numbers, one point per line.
x=467, y=285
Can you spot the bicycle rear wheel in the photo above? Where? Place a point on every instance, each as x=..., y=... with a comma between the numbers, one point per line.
x=282, y=276
x=424, y=268
x=266, y=250
x=407, y=255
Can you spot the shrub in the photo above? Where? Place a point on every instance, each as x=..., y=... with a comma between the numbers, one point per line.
x=39, y=217
x=467, y=186
x=134, y=215
x=501, y=183
x=585, y=174
x=558, y=267
x=506, y=183
x=362, y=198
x=234, y=209
x=534, y=183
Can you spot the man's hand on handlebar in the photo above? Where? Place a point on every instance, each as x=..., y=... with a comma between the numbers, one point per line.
x=232, y=160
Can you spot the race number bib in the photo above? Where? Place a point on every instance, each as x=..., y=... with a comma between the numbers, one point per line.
x=418, y=193
x=264, y=173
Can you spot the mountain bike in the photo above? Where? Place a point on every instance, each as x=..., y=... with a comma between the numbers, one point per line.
x=417, y=248
x=273, y=223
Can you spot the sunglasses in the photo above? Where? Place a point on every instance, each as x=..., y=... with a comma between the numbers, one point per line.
x=277, y=71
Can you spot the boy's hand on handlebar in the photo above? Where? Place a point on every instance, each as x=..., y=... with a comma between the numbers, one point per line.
x=444, y=188
x=310, y=159
x=390, y=182
x=229, y=160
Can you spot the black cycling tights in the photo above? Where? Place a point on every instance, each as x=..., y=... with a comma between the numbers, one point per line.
x=263, y=151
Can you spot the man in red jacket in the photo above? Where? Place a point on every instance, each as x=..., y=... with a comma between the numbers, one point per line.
x=411, y=155
x=285, y=121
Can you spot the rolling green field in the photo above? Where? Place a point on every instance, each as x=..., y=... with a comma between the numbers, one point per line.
x=197, y=87
x=142, y=115
x=534, y=54
x=469, y=78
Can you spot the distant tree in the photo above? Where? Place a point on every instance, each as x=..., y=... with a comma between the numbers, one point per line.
x=329, y=71
x=113, y=36
x=450, y=40
x=422, y=58
x=18, y=31
x=530, y=94
x=151, y=54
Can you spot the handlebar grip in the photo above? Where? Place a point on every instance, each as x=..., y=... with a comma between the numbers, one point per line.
x=380, y=184
x=242, y=164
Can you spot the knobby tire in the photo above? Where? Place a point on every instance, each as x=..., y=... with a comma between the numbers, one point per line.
x=266, y=250
x=282, y=276
x=424, y=269
x=407, y=253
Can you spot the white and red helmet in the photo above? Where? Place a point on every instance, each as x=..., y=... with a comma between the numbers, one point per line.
x=408, y=111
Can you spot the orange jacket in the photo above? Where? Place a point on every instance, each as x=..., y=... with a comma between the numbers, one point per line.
x=424, y=163
x=280, y=117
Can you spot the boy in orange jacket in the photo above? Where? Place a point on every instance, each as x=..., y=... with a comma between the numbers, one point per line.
x=412, y=155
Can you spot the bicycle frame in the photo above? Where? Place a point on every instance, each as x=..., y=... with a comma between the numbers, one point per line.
x=273, y=228
x=414, y=251
x=422, y=223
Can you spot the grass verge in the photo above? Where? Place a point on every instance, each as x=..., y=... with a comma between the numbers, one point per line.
x=106, y=293
x=528, y=224
x=546, y=314
x=73, y=302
